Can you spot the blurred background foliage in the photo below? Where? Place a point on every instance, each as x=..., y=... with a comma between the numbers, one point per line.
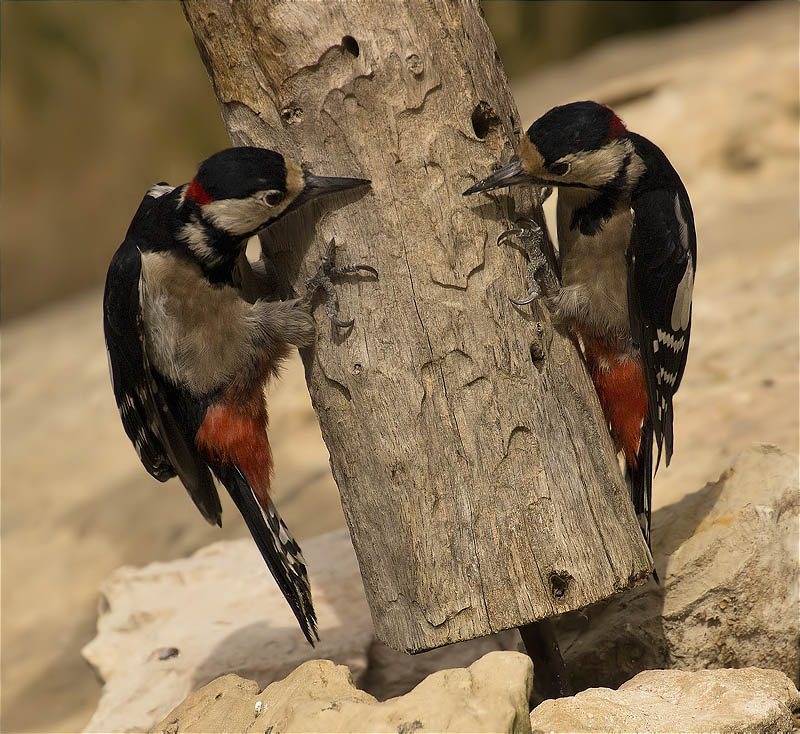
x=101, y=99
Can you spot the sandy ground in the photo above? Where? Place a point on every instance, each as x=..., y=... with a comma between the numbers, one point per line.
x=721, y=99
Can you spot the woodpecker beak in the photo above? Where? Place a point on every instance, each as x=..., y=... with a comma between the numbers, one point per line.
x=314, y=186
x=510, y=175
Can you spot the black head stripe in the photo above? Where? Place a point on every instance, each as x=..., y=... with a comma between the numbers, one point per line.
x=571, y=128
x=236, y=173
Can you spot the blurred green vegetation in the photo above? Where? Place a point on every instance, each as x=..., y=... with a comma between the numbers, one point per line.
x=100, y=99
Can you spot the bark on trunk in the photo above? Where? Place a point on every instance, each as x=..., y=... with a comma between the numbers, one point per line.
x=478, y=480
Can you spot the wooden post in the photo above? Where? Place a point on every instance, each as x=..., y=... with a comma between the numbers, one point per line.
x=477, y=478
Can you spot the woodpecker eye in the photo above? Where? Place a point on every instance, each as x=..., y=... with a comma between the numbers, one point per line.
x=272, y=197
x=559, y=168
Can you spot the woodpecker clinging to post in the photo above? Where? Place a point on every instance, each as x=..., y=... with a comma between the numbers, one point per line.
x=189, y=357
x=627, y=252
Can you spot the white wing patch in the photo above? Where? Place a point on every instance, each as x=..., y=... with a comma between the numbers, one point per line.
x=684, y=230
x=682, y=306
x=670, y=341
x=663, y=376
x=159, y=190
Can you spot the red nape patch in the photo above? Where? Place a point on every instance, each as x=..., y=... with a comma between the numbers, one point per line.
x=234, y=433
x=616, y=128
x=197, y=193
x=619, y=381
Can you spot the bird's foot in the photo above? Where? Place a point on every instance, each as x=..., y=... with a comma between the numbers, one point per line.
x=323, y=279
x=539, y=276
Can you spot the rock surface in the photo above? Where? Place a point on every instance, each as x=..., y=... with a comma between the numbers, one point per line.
x=222, y=612
x=729, y=599
x=746, y=701
x=489, y=696
x=168, y=628
x=729, y=557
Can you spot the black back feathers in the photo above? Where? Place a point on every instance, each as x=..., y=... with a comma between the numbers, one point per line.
x=164, y=447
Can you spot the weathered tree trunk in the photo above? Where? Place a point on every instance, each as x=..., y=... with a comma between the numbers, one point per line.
x=478, y=480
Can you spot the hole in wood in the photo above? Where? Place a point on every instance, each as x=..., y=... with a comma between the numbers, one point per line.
x=559, y=582
x=351, y=45
x=537, y=347
x=414, y=64
x=484, y=119
x=292, y=115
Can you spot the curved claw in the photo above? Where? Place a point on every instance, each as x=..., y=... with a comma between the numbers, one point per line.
x=508, y=234
x=341, y=324
x=368, y=269
x=526, y=223
x=323, y=279
x=348, y=269
x=530, y=298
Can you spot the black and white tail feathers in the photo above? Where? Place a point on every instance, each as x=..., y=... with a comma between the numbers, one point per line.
x=278, y=548
x=640, y=483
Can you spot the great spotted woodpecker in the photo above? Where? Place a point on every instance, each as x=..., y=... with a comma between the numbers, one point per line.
x=189, y=357
x=627, y=254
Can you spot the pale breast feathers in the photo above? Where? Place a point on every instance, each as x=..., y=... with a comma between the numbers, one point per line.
x=197, y=334
x=594, y=270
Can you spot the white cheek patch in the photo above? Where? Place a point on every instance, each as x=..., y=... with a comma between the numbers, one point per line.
x=242, y=216
x=237, y=216
x=596, y=167
x=682, y=307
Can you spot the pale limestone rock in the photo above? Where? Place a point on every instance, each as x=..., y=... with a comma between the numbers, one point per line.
x=391, y=673
x=169, y=628
x=227, y=704
x=744, y=701
x=489, y=696
x=729, y=558
x=729, y=599
x=223, y=612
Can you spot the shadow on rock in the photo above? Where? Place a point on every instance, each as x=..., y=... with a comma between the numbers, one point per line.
x=728, y=597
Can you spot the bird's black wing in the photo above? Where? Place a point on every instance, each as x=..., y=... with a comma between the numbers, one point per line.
x=163, y=447
x=661, y=267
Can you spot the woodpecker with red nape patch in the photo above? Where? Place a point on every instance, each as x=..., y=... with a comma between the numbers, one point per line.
x=190, y=357
x=627, y=255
